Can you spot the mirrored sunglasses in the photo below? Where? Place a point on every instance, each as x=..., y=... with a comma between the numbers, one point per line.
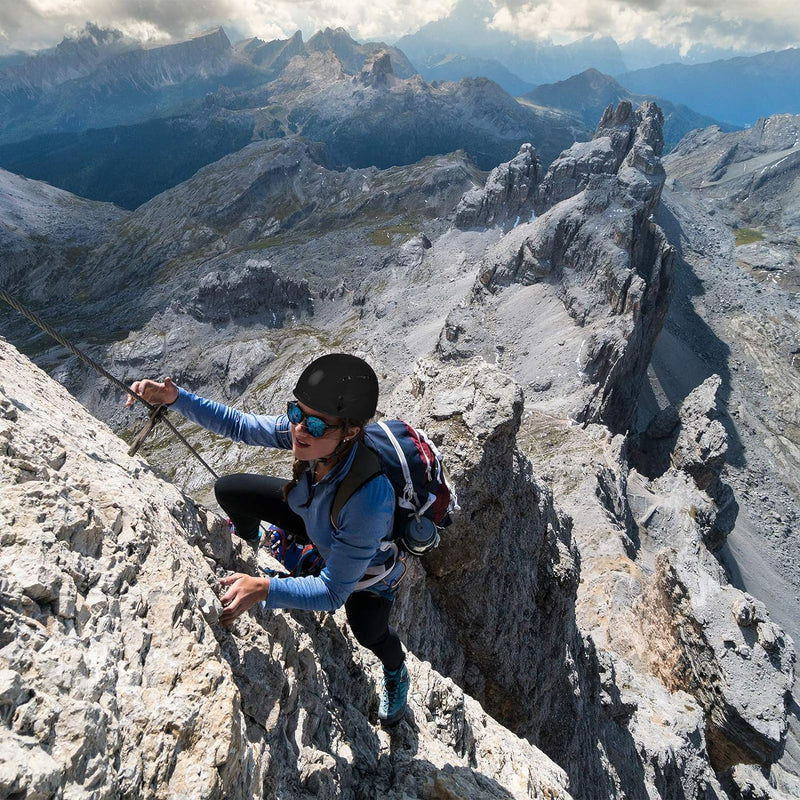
x=314, y=425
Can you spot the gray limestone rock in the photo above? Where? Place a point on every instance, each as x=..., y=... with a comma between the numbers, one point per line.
x=507, y=197
x=621, y=132
x=702, y=442
x=663, y=424
x=254, y=291
x=116, y=679
x=609, y=265
x=712, y=631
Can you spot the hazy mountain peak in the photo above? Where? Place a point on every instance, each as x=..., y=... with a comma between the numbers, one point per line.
x=74, y=57
x=95, y=35
x=466, y=32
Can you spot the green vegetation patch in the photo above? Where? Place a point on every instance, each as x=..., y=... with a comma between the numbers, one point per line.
x=747, y=236
x=383, y=237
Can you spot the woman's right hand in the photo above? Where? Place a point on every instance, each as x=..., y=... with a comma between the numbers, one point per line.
x=154, y=392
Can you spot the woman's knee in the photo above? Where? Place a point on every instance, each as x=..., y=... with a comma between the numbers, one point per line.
x=225, y=486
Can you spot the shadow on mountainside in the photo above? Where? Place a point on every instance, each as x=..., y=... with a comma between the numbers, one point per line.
x=687, y=350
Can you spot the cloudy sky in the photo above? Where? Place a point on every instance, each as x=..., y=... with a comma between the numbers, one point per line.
x=748, y=25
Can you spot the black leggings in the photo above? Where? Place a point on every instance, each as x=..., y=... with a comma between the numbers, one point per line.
x=250, y=499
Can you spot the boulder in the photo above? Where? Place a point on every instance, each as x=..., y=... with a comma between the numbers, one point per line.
x=702, y=442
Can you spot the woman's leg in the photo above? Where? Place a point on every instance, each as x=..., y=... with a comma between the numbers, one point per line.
x=250, y=499
x=368, y=616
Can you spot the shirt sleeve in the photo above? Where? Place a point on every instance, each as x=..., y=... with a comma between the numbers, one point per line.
x=365, y=521
x=256, y=429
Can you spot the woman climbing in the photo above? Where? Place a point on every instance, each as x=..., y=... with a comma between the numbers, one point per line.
x=335, y=397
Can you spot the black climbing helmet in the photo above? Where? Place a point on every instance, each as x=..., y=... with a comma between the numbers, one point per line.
x=340, y=385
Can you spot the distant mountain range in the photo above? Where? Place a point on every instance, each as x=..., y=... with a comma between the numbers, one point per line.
x=737, y=90
x=589, y=93
x=455, y=67
x=189, y=104
x=109, y=119
x=461, y=41
x=100, y=79
x=464, y=34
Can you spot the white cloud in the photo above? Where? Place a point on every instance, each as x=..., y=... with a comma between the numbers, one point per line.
x=738, y=24
x=742, y=24
x=33, y=24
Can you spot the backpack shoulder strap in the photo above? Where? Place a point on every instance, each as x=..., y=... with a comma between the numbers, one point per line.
x=366, y=465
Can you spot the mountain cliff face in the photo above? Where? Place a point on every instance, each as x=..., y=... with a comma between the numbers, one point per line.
x=612, y=184
x=74, y=58
x=117, y=680
x=734, y=313
x=507, y=196
x=100, y=80
x=580, y=596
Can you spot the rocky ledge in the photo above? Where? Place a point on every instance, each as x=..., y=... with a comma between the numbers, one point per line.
x=116, y=679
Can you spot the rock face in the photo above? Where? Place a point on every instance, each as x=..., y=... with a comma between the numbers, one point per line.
x=620, y=130
x=695, y=442
x=509, y=539
x=608, y=263
x=722, y=638
x=253, y=290
x=117, y=681
x=507, y=196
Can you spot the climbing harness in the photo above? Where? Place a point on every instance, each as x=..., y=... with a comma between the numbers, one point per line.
x=157, y=412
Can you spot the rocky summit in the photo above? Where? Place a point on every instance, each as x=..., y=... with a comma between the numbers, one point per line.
x=603, y=625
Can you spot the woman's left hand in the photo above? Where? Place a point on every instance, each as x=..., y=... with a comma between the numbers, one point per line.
x=245, y=591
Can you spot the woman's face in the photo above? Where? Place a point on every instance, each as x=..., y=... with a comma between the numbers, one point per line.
x=307, y=448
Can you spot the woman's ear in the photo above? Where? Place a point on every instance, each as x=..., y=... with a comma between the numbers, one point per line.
x=351, y=433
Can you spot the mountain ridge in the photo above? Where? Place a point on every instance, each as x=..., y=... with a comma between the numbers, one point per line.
x=738, y=90
x=590, y=92
x=364, y=111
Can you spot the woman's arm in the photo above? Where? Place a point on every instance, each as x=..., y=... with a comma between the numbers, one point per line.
x=255, y=429
x=366, y=520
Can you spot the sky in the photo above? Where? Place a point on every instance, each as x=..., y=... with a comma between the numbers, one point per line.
x=745, y=25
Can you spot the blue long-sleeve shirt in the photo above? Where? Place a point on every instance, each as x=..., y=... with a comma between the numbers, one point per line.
x=365, y=521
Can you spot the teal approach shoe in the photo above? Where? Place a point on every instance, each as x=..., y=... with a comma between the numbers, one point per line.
x=394, y=696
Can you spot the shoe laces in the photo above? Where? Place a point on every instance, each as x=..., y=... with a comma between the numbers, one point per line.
x=392, y=681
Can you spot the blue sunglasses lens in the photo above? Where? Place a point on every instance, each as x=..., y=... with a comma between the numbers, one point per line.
x=315, y=426
x=294, y=413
